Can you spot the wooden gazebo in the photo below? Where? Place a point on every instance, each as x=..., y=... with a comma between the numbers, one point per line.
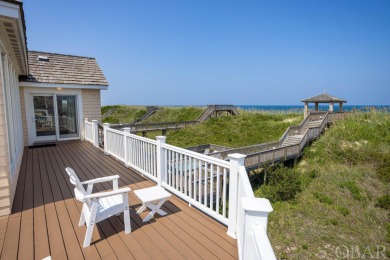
x=323, y=98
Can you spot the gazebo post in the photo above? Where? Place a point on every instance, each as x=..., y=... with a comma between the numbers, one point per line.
x=306, y=110
x=316, y=106
x=341, y=106
x=330, y=106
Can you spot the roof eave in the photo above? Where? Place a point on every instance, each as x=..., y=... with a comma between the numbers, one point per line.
x=61, y=85
x=12, y=14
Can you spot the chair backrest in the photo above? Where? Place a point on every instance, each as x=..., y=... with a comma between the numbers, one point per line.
x=79, y=190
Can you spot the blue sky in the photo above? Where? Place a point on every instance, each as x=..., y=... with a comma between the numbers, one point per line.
x=197, y=52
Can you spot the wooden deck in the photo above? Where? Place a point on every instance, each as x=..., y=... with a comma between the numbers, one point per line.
x=45, y=215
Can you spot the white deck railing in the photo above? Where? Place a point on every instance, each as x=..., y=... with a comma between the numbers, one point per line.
x=199, y=179
x=221, y=189
x=91, y=131
x=88, y=130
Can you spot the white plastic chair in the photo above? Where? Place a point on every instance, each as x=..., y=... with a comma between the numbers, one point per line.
x=101, y=205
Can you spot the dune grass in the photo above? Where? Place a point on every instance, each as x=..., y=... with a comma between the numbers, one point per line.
x=342, y=203
x=175, y=114
x=122, y=114
x=233, y=131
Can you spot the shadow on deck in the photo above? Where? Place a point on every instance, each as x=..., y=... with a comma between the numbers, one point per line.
x=44, y=219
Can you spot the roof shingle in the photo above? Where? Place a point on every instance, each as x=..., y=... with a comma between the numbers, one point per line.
x=64, y=69
x=324, y=98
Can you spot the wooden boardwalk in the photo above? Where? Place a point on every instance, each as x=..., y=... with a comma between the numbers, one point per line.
x=45, y=215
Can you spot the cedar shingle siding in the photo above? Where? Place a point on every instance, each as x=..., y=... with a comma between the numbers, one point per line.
x=64, y=69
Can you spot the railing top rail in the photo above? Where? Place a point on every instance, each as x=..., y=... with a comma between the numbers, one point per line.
x=114, y=131
x=233, y=150
x=144, y=139
x=271, y=150
x=245, y=182
x=196, y=155
x=141, y=138
x=163, y=123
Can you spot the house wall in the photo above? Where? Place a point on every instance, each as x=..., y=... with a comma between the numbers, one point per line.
x=11, y=134
x=91, y=104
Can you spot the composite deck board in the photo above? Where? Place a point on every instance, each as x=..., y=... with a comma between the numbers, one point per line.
x=72, y=247
x=98, y=249
x=45, y=215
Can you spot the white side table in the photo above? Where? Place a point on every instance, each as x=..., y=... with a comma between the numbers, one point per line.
x=152, y=198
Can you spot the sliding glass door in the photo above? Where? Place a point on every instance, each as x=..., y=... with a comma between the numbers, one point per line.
x=55, y=117
x=67, y=116
x=44, y=118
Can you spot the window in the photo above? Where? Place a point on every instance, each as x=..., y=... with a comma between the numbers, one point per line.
x=12, y=108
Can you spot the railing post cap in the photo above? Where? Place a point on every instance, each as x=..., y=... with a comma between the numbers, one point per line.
x=236, y=156
x=94, y=120
x=256, y=204
x=161, y=138
x=126, y=129
x=106, y=124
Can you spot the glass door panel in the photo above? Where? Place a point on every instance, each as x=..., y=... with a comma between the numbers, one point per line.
x=67, y=116
x=44, y=118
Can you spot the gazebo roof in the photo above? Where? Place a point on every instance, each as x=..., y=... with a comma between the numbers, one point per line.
x=324, y=98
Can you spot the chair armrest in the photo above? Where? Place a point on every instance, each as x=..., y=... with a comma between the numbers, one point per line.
x=107, y=193
x=102, y=179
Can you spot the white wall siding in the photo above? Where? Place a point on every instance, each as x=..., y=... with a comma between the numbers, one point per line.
x=11, y=132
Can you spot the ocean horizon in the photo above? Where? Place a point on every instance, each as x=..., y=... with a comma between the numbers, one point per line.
x=297, y=108
x=320, y=107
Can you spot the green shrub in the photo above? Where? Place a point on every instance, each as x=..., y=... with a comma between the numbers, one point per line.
x=344, y=211
x=313, y=174
x=384, y=173
x=388, y=233
x=111, y=120
x=352, y=188
x=384, y=202
x=323, y=198
x=282, y=184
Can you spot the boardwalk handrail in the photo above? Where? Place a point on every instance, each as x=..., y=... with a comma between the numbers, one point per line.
x=219, y=188
x=155, y=126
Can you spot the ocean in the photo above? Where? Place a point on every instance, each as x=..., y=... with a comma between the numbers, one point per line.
x=299, y=108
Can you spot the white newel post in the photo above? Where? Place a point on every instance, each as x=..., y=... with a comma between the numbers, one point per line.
x=126, y=150
x=105, y=127
x=160, y=160
x=256, y=213
x=95, y=133
x=85, y=128
x=236, y=160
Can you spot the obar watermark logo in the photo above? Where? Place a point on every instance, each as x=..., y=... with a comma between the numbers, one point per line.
x=361, y=252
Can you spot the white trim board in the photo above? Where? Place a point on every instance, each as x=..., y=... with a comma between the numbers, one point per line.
x=62, y=86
